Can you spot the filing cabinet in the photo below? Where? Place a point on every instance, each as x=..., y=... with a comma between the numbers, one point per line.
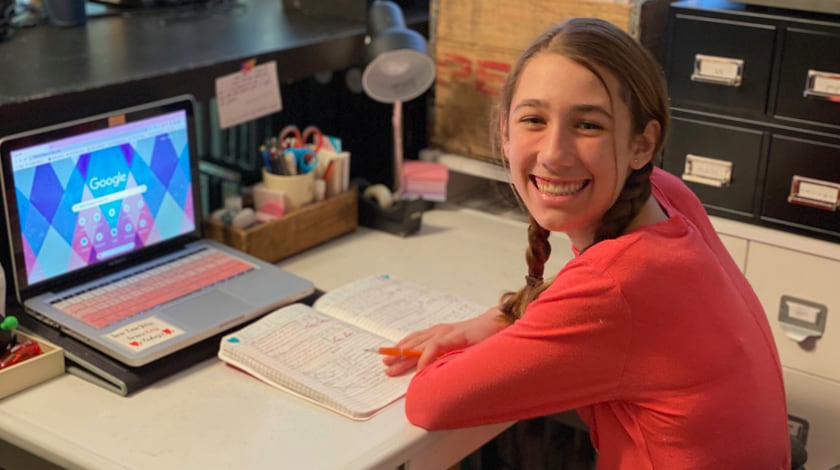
x=755, y=96
x=800, y=296
x=720, y=162
x=809, y=76
x=813, y=418
x=803, y=182
x=737, y=248
x=755, y=102
x=720, y=65
x=795, y=278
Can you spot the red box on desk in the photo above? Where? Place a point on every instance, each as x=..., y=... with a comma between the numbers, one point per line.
x=48, y=364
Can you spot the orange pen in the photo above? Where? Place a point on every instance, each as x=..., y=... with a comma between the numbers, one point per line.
x=397, y=352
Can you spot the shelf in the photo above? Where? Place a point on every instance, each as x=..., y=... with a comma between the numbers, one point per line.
x=467, y=165
x=478, y=185
x=128, y=57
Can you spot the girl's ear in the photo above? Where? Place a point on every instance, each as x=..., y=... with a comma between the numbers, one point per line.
x=645, y=143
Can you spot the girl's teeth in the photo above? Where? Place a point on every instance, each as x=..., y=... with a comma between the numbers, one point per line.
x=554, y=189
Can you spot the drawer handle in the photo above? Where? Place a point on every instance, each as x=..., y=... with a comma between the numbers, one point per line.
x=801, y=319
x=708, y=171
x=718, y=70
x=822, y=85
x=814, y=193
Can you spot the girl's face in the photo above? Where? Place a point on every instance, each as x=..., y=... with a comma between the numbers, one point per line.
x=570, y=148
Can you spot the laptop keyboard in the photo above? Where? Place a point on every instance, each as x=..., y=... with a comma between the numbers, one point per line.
x=110, y=303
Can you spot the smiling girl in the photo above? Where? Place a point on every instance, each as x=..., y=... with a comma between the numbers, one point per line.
x=650, y=332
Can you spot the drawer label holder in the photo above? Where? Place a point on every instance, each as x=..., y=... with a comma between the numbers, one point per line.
x=707, y=171
x=801, y=319
x=814, y=193
x=823, y=85
x=718, y=70
x=798, y=428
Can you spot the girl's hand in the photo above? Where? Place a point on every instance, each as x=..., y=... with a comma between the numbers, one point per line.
x=439, y=339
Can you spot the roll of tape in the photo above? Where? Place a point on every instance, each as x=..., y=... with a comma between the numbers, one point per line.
x=244, y=218
x=379, y=193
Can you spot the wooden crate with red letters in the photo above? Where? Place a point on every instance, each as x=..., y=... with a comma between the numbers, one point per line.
x=476, y=41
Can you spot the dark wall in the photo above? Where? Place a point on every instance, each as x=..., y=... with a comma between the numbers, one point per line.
x=363, y=125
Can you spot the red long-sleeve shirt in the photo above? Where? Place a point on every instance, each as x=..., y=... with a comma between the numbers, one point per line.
x=656, y=338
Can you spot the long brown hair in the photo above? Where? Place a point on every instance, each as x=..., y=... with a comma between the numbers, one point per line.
x=597, y=45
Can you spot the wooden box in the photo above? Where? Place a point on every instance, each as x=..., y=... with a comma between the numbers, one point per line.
x=48, y=364
x=475, y=42
x=304, y=228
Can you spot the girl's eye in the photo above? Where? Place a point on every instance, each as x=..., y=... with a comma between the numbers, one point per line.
x=589, y=126
x=531, y=120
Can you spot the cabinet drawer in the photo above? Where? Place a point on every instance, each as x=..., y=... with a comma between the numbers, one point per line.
x=809, y=81
x=817, y=402
x=803, y=184
x=720, y=65
x=799, y=293
x=718, y=162
x=737, y=248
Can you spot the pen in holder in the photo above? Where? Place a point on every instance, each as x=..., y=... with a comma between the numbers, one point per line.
x=298, y=190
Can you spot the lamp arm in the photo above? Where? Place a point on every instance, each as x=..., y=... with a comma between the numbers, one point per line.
x=397, y=125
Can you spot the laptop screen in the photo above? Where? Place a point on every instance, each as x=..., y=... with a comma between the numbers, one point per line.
x=97, y=190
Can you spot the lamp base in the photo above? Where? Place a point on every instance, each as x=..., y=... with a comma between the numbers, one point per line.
x=403, y=218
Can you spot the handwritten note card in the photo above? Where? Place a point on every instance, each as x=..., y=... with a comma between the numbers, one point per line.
x=249, y=94
x=143, y=334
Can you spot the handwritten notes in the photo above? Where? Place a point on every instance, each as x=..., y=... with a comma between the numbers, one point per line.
x=248, y=94
x=392, y=308
x=322, y=353
x=317, y=357
x=144, y=334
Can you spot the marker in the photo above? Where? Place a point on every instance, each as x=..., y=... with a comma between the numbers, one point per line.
x=9, y=323
x=329, y=170
x=396, y=352
x=290, y=164
x=7, y=337
x=266, y=156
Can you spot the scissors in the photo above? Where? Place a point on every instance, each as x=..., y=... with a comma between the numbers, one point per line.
x=298, y=144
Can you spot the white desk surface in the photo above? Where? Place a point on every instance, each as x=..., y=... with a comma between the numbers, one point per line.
x=212, y=416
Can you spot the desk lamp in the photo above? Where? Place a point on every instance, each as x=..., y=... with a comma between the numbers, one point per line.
x=398, y=68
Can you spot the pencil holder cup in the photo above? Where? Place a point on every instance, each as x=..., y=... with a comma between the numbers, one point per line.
x=299, y=190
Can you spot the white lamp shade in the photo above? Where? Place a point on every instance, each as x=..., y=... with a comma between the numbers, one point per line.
x=398, y=65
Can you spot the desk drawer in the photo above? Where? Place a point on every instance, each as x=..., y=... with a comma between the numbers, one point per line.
x=817, y=402
x=720, y=65
x=718, y=162
x=800, y=297
x=803, y=184
x=809, y=82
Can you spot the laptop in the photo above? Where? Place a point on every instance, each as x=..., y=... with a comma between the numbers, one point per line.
x=104, y=227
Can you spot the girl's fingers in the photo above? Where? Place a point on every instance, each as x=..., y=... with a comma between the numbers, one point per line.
x=401, y=366
x=430, y=353
x=431, y=341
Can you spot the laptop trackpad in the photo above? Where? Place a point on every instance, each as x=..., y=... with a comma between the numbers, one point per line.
x=209, y=309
